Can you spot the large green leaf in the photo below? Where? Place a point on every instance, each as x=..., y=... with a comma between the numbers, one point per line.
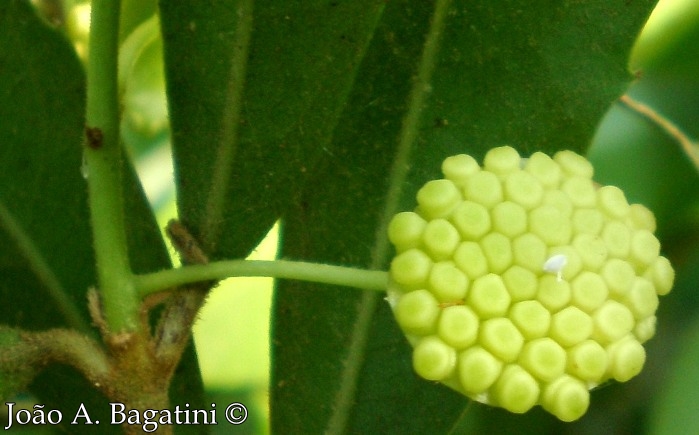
x=634, y=152
x=537, y=76
x=254, y=94
x=41, y=119
x=46, y=257
x=675, y=405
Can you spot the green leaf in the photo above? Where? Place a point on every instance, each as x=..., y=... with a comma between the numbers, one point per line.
x=536, y=76
x=43, y=200
x=634, y=152
x=46, y=259
x=666, y=47
x=675, y=404
x=254, y=95
x=133, y=13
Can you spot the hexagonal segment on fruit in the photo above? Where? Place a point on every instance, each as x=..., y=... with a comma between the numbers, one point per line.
x=509, y=219
x=457, y=168
x=437, y=198
x=587, y=361
x=612, y=201
x=560, y=201
x=478, y=369
x=498, y=251
x=642, y=299
x=543, y=358
x=440, y=239
x=589, y=291
x=619, y=276
x=662, y=275
x=529, y=251
x=573, y=164
x=645, y=329
x=521, y=283
x=612, y=321
x=524, y=189
x=516, y=390
x=411, y=268
x=484, y=188
x=592, y=251
x=433, y=359
x=570, y=326
x=544, y=169
x=417, y=312
x=626, y=358
x=405, y=230
x=550, y=225
x=470, y=258
x=502, y=160
x=567, y=398
x=471, y=219
x=617, y=239
x=587, y=221
x=489, y=297
x=580, y=191
x=531, y=318
x=501, y=338
x=447, y=282
x=645, y=248
x=553, y=293
x=640, y=218
x=458, y=326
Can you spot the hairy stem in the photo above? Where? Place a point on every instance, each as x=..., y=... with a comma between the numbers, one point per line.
x=314, y=272
x=72, y=348
x=103, y=157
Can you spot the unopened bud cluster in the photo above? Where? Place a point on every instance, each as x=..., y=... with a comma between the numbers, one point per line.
x=522, y=283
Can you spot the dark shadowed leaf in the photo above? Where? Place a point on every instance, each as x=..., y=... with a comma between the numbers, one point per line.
x=41, y=119
x=254, y=93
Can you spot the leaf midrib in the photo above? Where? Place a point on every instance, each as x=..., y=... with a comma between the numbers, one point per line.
x=42, y=269
x=345, y=397
x=230, y=122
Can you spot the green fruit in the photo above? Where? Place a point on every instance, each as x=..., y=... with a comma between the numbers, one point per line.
x=522, y=283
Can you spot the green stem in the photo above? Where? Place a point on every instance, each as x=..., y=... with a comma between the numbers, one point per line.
x=103, y=157
x=314, y=272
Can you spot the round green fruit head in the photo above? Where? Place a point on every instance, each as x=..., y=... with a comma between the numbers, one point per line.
x=521, y=282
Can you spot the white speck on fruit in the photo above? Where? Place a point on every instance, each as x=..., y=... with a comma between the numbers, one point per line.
x=555, y=265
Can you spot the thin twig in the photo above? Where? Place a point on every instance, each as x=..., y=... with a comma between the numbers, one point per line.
x=688, y=145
